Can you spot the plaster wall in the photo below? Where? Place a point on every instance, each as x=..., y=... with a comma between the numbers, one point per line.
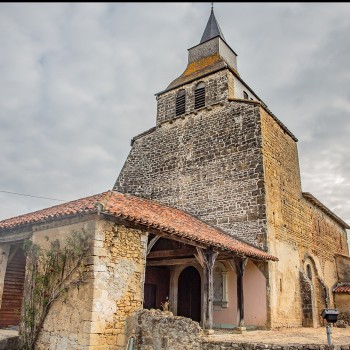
x=239, y=88
x=255, y=312
x=254, y=299
x=227, y=317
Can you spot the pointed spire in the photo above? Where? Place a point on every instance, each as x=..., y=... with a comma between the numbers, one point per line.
x=212, y=29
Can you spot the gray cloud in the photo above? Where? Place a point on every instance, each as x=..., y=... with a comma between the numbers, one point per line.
x=78, y=82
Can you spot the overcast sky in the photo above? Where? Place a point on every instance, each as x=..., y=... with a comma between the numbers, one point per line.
x=78, y=82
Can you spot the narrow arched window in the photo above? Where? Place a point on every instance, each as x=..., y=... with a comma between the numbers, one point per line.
x=199, y=96
x=245, y=95
x=308, y=271
x=180, y=102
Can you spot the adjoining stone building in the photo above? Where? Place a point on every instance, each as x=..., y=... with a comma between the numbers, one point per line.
x=208, y=212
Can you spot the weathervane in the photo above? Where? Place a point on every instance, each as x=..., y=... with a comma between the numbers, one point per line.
x=212, y=5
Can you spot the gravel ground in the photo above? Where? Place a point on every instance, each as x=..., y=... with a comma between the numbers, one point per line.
x=285, y=336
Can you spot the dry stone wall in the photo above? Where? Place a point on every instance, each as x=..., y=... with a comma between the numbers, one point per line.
x=157, y=330
x=209, y=164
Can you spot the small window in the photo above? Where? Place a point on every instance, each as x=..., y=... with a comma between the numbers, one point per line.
x=245, y=95
x=308, y=271
x=180, y=102
x=199, y=96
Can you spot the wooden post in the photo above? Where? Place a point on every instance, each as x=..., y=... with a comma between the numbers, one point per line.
x=207, y=260
x=239, y=265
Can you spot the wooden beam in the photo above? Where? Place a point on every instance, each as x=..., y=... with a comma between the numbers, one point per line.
x=174, y=253
x=170, y=262
x=199, y=257
x=151, y=243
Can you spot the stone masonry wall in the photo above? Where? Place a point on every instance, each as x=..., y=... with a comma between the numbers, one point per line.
x=92, y=317
x=67, y=323
x=209, y=164
x=343, y=268
x=216, y=86
x=297, y=231
x=119, y=273
x=157, y=330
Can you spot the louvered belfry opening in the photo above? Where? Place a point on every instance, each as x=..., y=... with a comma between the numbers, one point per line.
x=181, y=102
x=199, y=96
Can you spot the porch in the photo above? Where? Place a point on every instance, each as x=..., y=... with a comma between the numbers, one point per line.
x=215, y=287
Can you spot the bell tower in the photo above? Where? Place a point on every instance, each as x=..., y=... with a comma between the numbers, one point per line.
x=211, y=56
x=204, y=154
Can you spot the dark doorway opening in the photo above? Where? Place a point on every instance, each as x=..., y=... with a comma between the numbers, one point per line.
x=156, y=288
x=13, y=288
x=150, y=298
x=189, y=294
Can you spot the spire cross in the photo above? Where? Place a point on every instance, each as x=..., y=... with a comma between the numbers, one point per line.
x=212, y=5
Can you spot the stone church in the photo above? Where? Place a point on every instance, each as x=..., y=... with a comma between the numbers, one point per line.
x=207, y=213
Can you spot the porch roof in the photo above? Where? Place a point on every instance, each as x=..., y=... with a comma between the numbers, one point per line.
x=143, y=212
x=342, y=288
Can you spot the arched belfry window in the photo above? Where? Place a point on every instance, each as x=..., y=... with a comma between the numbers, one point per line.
x=199, y=96
x=180, y=102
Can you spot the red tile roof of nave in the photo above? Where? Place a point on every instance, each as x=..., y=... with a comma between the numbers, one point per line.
x=342, y=289
x=144, y=212
x=177, y=222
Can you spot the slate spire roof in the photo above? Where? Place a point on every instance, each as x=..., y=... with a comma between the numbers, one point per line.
x=212, y=29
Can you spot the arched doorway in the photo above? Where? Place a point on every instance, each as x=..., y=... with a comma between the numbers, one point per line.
x=189, y=294
x=309, y=294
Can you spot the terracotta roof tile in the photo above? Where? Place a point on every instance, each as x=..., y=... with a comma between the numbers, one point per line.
x=145, y=212
x=343, y=288
x=83, y=205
